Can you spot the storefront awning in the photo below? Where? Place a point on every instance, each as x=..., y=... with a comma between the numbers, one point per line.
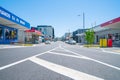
x=34, y=31
x=115, y=23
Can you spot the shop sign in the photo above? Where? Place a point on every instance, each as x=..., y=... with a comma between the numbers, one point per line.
x=6, y=14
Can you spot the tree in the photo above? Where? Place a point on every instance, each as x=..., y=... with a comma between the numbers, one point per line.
x=89, y=36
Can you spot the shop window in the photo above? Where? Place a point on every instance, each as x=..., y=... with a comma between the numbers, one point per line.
x=97, y=38
x=116, y=36
x=1, y=33
x=14, y=34
x=109, y=36
x=119, y=36
x=10, y=34
x=7, y=34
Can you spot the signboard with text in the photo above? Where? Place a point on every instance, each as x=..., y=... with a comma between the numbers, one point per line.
x=9, y=16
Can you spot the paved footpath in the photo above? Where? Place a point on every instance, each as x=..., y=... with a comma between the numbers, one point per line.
x=9, y=46
x=18, y=46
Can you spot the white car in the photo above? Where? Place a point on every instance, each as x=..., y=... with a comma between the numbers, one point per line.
x=72, y=42
x=66, y=41
x=47, y=42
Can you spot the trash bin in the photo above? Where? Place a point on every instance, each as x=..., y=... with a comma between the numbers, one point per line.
x=103, y=42
x=109, y=42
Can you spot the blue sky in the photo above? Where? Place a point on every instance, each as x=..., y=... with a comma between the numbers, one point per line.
x=63, y=14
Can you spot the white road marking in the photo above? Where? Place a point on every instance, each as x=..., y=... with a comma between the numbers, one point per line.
x=74, y=74
x=12, y=64
x=61, y=69
x=94, y=60
x=74, y=56
x=110, y=52
x=17, y=62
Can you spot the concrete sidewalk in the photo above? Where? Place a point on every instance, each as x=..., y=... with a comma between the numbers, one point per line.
x=9, y=46
x=114, y=50
x=4, y=46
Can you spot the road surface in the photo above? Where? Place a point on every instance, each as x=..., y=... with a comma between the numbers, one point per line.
x=59, y=61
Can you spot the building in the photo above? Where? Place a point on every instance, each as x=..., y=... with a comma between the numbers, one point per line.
x=108, y=30
x=35, y=28
x=79, y=35
x=67, y=36
x=32, y=36
x=47, y=31
x=11, y=27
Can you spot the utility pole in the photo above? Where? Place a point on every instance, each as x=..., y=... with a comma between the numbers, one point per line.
x=83, y=20
x=78, y=35
x=83, y=16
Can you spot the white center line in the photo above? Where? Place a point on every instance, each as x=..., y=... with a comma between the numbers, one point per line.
x=74, y=74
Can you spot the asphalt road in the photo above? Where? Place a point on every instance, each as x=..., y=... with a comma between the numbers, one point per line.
x=58, y=61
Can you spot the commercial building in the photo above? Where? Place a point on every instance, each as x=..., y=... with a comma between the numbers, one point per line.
x=11, y=27
x=107, y=30
x=67, y=36
x=32, y=36
x=47, y=31
x=78, y=35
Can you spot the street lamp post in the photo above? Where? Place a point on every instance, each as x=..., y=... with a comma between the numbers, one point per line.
x=83, y=15
x=83, y=20
x=78, y=35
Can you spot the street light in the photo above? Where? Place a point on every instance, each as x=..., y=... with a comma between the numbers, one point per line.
x=83, y=20
x=83, y=15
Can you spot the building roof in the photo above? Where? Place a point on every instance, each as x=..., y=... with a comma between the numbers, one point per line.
x=44, y=26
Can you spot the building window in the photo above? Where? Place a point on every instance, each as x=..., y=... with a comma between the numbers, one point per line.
x=119, y=36
x=40, y=29
x=7, y=34
x=1, y=33
x=10, y=34
x=116, y=36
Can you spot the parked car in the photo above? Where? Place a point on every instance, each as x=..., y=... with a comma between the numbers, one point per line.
x=47, y=42
x=72, y=42
x=66, y=41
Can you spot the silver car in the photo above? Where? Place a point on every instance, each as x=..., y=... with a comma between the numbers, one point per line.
x=72, y=42
x=47, y=42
